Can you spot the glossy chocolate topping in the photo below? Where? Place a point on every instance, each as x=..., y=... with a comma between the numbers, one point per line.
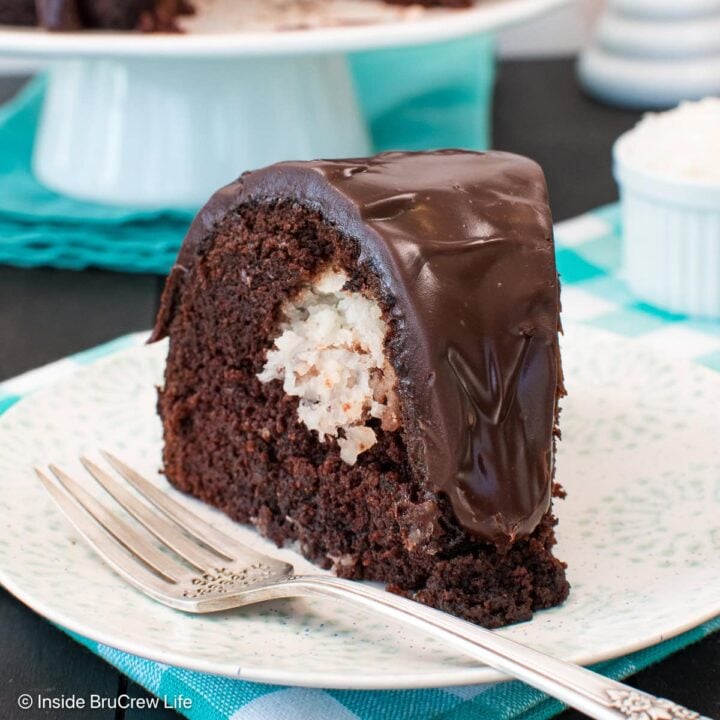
x=462, y=243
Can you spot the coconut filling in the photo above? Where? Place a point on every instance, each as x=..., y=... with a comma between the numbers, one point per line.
x=330, y=354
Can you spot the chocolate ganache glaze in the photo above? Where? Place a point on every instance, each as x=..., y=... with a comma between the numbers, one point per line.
x=462, y=245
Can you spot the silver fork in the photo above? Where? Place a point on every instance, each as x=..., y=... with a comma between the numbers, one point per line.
x=220, y=573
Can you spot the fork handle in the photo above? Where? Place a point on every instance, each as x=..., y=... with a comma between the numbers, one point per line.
x=590, y=693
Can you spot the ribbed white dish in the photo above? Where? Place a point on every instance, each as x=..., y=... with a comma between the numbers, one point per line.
x=671, y=239
x=668, y=9
x=659, y=37
x=647, y=82
x=652, y=54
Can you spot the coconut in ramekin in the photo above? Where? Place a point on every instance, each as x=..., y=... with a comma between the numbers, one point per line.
x=668, y=171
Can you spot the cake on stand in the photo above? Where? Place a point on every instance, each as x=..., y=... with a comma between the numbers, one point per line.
x=163, y=120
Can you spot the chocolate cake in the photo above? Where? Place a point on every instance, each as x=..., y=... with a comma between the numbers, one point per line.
x=364, y=361
x=144, y=15
x=18, y=12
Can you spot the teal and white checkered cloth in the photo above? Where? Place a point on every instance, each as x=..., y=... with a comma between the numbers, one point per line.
x=588, y=250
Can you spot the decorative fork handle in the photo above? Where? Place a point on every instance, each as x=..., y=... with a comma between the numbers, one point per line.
x=590, y=693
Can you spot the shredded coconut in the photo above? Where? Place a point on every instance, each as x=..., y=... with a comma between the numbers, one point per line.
x=682, y=144
x=330, y=354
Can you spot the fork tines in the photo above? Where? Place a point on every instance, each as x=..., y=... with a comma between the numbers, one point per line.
x=191, y=539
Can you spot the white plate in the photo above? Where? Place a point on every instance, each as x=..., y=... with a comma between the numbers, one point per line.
x=340, y=25
x=640, y=530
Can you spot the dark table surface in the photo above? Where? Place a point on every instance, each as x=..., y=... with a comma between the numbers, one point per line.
x=46, y=314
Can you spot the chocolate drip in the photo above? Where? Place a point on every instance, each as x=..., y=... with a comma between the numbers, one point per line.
x=462, y=243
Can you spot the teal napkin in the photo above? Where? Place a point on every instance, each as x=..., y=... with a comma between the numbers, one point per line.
x=40, y=227
x=219, y=698
x=412, y=98
x=588, y=252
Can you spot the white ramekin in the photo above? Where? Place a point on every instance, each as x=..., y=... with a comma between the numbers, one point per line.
x=671, y=238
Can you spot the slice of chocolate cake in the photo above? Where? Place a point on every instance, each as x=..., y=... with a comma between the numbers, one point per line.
x=364, y=360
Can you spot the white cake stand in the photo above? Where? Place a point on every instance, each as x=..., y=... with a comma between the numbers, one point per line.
x=163, y=120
